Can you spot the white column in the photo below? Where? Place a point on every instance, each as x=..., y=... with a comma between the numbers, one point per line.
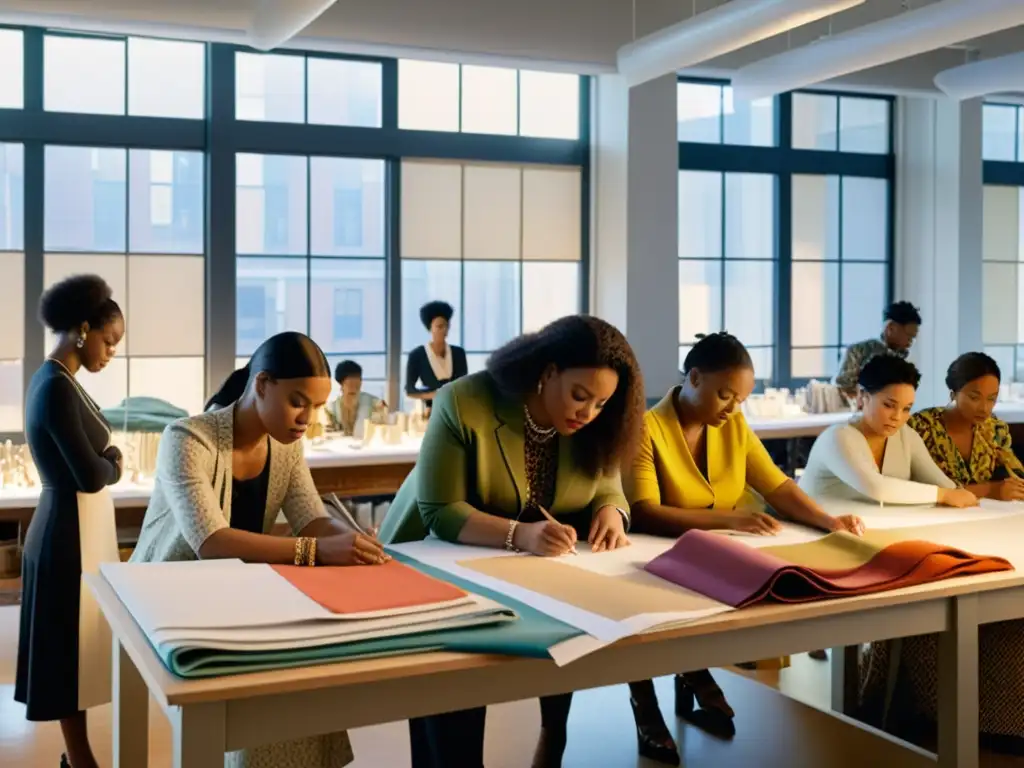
x=634, y=267
x=939, y=231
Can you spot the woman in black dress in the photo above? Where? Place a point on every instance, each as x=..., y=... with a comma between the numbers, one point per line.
x=435, y=363
x=61, y=635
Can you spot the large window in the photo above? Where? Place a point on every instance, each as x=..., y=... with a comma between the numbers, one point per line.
x=135, y=217
x=500, y=243
x=227, y=195
x=1003, y=237
x=434, y=96
x=310, y=239
x=784, y=240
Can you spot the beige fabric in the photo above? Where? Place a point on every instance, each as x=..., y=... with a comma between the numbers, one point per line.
x=191, y=498
x=98, y=541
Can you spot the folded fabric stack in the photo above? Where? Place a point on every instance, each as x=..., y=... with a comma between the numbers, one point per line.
x=221, y=617
x=837, y=565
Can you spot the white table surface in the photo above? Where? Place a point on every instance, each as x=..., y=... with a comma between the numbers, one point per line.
x=209, y=717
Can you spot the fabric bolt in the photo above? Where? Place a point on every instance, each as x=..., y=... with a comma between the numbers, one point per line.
x=733, y=573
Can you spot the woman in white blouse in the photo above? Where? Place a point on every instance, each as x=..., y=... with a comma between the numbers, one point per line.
x=876, y=456
x=437, y=362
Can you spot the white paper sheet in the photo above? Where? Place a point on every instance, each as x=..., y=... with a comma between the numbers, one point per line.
x=446, y=556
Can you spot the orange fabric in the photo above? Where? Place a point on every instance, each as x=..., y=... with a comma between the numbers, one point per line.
x=365, y=588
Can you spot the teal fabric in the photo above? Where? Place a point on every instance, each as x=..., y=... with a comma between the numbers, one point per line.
x=530, y=635
x=143, y=414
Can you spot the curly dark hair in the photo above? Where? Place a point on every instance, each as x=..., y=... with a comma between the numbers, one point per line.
x=433, y=309
x=903, y=313
x=971, y=366
x=347, y=368
x=75, y=300
x=581, y=341
x=882, y=371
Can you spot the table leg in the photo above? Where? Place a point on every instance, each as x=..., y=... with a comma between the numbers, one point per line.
x=200, y=735
x=845, y=678
x=130, y=721
x=958, y=686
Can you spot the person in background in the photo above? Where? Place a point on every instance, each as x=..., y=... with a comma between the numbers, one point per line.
x=543, y=429
x=902, y=323
x=223, y=477
x=70, y=444
x=353, y=406
x=882, y=459
x=697, y=459
x=437, y=362
x=970, y=445
x=876, y=457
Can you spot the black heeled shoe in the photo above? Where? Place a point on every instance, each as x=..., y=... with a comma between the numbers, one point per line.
x=653, y=740
x=64, y=762
x=694, y=705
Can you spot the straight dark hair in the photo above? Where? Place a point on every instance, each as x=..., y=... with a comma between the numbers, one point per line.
x=581, y=341
x=288, y=355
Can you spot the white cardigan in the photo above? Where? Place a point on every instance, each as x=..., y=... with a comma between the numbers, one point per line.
x=841, y=467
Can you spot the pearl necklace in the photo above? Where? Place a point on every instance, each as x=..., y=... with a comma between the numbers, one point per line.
x=540, y=434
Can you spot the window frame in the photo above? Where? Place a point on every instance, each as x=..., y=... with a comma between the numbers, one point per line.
x=219, y=137
x=784, y=162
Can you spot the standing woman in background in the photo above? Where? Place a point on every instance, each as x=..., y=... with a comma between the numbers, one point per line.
x=436, y=362
x=64, y=645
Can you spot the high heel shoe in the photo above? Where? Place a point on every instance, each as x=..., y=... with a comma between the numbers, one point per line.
x=64, y=762
x=653, y=740
x=701, y=703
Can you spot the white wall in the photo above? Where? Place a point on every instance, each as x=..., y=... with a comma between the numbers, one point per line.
x=939, y=231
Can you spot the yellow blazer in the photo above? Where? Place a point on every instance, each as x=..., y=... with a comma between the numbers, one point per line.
x=665, y=473
x=473, y=458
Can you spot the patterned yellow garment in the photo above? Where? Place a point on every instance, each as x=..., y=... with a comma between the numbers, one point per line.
x=991, y=452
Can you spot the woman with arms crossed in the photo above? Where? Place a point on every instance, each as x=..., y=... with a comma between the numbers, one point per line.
x=696, y=461
x=544, y=428
x=62, y=655
x=221, y=480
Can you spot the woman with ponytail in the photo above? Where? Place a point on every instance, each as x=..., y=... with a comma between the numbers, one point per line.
x=223, y=477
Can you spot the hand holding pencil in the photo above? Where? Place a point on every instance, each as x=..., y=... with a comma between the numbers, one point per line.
x=547, y=538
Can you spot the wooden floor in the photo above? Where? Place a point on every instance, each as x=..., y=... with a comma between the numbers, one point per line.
x=773, y=731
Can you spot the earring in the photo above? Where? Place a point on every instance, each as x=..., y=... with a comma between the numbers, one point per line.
x=81, y=341
x=540, y=387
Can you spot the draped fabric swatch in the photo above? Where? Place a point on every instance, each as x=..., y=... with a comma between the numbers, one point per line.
x=837, y=565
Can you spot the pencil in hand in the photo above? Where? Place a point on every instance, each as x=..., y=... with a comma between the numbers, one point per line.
x=551, y=519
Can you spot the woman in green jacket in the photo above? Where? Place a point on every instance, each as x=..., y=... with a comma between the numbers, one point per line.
x=545, y=427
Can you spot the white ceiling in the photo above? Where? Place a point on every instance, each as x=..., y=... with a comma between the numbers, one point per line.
x=579, y=35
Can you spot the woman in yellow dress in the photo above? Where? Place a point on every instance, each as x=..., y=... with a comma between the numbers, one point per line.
x=696, y=466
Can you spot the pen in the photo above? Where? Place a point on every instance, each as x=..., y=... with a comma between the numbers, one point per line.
x=552, y=519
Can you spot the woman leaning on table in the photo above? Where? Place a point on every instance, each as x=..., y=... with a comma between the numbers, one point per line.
x=63, y=664
x=696, y=461
x=543, y=428
x=879, y=458
x=970, y=445
x=221, y=480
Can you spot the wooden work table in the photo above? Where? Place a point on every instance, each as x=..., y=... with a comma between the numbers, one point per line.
x=212, y=716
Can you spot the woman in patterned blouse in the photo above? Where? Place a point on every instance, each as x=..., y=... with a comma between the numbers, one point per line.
x=970, y=445
x=899, y=686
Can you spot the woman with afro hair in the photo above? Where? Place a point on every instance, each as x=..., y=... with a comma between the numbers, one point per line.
x=435, y=363
x=63, y=656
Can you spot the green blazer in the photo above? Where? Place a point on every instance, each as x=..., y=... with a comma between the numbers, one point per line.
x=472, y=459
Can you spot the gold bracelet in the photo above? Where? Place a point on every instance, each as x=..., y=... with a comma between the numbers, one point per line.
x=302, y=551
x=311, y=558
